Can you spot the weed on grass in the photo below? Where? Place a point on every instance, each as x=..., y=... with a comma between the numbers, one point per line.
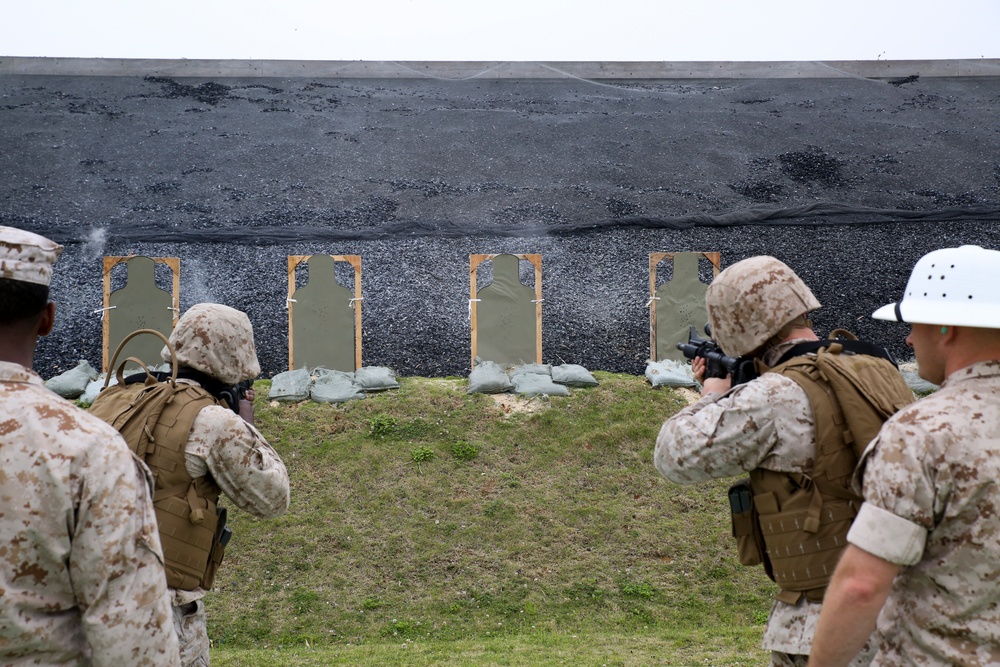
x=463, y=451
x=420, y=454
x=381, y=426
x=640, y=589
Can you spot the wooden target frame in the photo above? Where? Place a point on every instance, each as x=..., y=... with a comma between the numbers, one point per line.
x=654, y=260
x=110, y=262
x=536, y=261
x=355, y=261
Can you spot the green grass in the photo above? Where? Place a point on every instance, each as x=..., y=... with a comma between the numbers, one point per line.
x=429, y=526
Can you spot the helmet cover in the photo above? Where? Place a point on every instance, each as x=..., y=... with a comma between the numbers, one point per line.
x=216, y=340
x=750, y=301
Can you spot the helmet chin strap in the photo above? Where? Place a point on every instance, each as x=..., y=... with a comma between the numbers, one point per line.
x=899, y=315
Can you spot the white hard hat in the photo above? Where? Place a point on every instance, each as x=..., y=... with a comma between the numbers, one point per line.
x=956, y=286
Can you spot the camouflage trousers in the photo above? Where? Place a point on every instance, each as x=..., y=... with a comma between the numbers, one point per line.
x=779, y=659
x=192, y=634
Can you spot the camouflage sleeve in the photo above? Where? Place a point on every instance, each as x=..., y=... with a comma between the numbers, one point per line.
x=881, y=533
x=241, y=461
x=764, y=423
x=903, y=480
x=116, y=563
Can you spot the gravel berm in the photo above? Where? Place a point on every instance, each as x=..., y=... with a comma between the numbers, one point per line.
x=848, y=180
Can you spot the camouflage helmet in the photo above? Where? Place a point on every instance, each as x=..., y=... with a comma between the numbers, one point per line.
x=750, y=301
x=216, y=340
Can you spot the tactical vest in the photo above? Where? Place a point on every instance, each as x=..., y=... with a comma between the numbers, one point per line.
x=802, y=519
x=186, y=508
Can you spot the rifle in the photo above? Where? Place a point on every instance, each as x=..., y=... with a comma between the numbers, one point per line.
x=717, y=364
x=233, y=395
x=230, y=395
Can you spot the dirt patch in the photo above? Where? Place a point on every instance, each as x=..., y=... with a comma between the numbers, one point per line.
x=688, y=394
x=510, y=404
x=454, y=384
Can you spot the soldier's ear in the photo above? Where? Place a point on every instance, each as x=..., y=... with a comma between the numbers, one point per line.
x=47, y=319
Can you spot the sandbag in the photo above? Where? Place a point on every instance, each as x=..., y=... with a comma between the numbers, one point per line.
x=489, y=377
x=573, y=375
x=537, y=384
x=73, y=382
x=670, y=373
x=94, y=388
x=376, y=378
x=320, y=372
x=335, y=387
x=290, y=386
x=534, y=369
x=917, y=384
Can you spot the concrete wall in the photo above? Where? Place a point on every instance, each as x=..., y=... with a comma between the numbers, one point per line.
x=876, y=69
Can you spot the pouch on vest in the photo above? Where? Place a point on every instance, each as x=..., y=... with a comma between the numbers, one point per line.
x=867, y=385
x=134, y=409
x=746, y=525
x=868, y=391
x=222, y=536
x=188, y=526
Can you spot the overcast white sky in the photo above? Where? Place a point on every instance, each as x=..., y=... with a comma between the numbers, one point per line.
x=527, y=30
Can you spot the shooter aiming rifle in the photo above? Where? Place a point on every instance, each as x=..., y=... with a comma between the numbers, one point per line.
x=717, y=364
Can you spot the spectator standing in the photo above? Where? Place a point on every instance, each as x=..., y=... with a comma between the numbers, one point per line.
x=81, y=570
x=924, y=555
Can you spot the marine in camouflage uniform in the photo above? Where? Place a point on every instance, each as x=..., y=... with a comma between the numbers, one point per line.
x=755, y=307
x=81, y=571
x=924, y=557
x=218, y=341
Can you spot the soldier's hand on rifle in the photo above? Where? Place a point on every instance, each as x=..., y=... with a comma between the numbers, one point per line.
x=709, y=385
x=698, y=368
x=246, y=406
